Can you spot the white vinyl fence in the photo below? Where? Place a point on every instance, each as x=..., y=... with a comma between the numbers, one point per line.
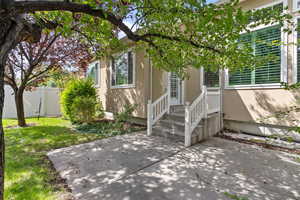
x=41, y=99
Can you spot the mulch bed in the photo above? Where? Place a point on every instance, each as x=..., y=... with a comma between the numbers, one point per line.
x=127, y=124
x=264, y=145
x=96, y=126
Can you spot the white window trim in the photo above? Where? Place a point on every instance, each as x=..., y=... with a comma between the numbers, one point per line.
x=257, y=86
x=124, y=86
x=295, y=57
x=285, y=3
x=284, y=50
x=295, y=9
x=99, y=73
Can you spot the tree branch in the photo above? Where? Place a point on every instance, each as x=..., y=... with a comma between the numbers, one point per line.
x=178, y=39
x=41, y=56
x=26, y=6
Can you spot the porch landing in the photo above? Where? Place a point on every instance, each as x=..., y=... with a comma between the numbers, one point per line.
x=136, y=166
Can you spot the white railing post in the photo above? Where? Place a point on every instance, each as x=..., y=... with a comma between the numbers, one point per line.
x=205, y=102
x=187, y=135
x=149, y=118
x=169, y=94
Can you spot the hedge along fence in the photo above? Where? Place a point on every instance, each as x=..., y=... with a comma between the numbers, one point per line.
x=44, y=99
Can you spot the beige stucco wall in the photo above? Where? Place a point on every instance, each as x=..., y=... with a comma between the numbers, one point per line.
x=104, y=82
x=114, y=99
x=251, y=4
x=159, y=82
x=264, y=105
x=192, y=85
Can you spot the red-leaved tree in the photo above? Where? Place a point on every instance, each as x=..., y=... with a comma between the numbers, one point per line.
x=29, y=64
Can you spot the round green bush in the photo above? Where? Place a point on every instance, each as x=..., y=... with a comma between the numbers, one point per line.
x=76, y=88
x=84, y=108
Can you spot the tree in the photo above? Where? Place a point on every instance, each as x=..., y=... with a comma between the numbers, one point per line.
x=175, y=33
x=29, y=64
x=59, y=78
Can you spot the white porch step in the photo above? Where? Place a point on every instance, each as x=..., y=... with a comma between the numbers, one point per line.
x=168, y=133
x=172, y=126
x=177, y=109
x=180, y=117
x=177, y=135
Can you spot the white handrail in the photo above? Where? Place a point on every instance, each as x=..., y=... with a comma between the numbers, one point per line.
x=156, y=110
x=194, y=113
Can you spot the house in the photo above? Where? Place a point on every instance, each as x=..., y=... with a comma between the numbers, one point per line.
x=252, y=101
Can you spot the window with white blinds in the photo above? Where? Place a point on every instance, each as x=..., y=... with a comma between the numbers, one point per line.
x=264, y=42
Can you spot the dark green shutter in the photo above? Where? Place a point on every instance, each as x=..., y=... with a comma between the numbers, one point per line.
x=130, y=68
x=97, y=74
x=113, y=76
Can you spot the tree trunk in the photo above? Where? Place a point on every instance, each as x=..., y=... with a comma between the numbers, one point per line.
x=9, y=33
x=2, y=143
x=20, y=107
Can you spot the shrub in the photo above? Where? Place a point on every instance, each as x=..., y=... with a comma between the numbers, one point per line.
x=77, y=90
x=125, y=115
x=83, y=109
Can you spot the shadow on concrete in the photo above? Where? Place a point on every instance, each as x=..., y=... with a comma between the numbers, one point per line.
x=137, y=167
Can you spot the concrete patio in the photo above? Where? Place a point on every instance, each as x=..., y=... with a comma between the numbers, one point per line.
x=137, y=167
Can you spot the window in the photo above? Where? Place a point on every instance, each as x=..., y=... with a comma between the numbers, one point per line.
x=122, y=70
x=296, y=5
x=93, y=72
x=211, y=79
x=264, y=42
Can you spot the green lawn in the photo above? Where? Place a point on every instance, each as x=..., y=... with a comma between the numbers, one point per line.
x=28, y=171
